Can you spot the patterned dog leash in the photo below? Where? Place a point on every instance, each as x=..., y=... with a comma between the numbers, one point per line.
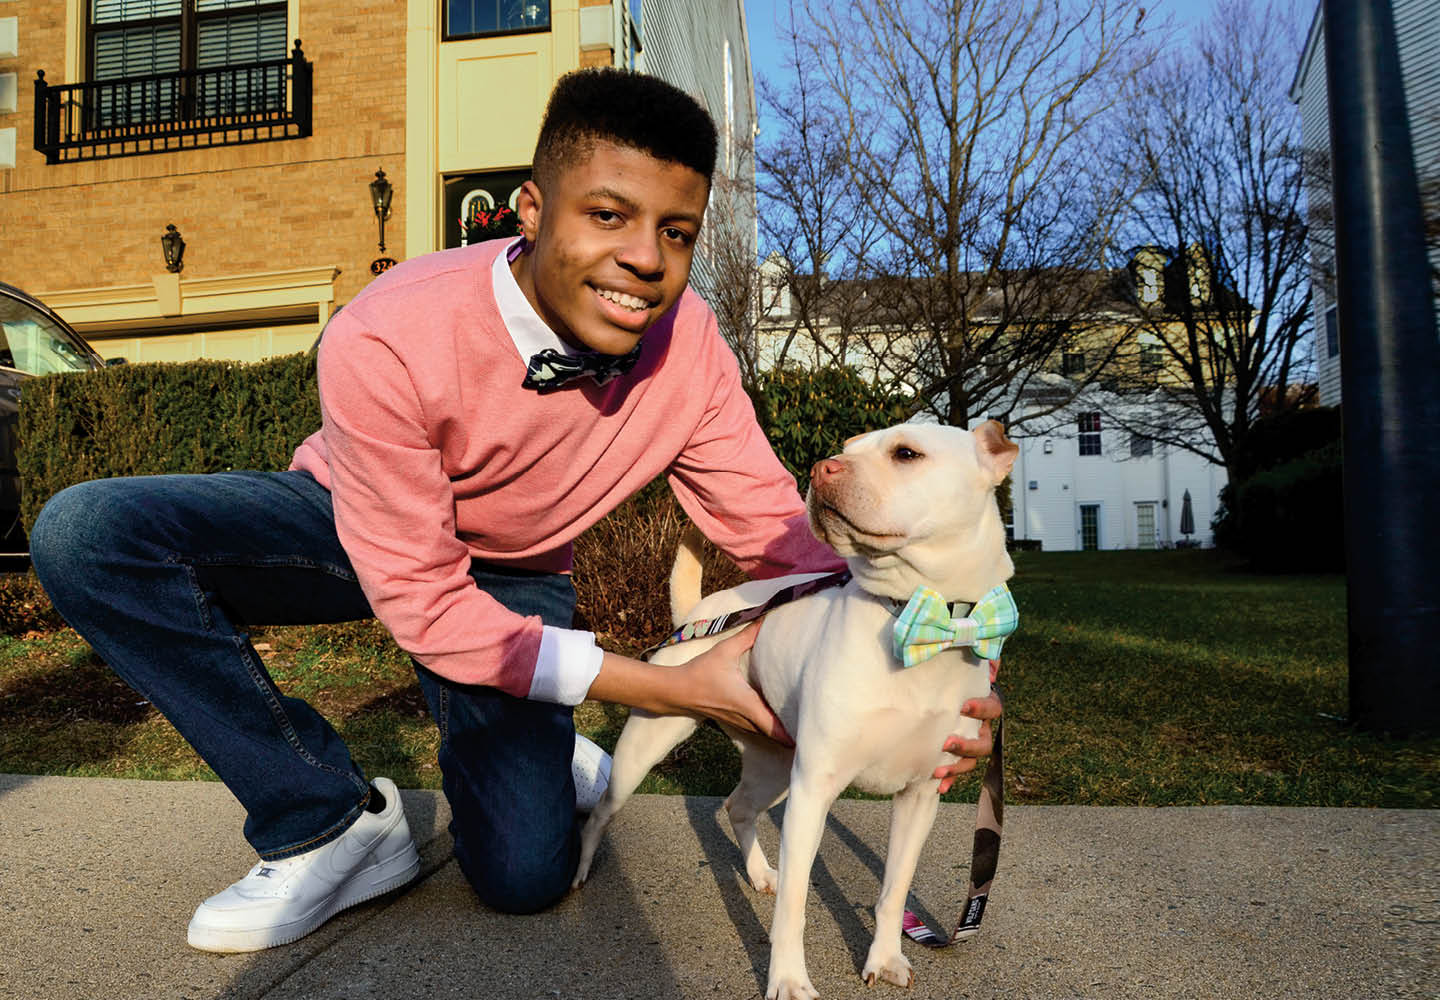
x=714, y=626
x=918, y=637
x=985, y=856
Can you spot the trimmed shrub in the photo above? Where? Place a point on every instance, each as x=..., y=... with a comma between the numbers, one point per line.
x=808, y=414
x=1283, y=438
x=1265, y=512
x=132, y=420
x=1291, y=518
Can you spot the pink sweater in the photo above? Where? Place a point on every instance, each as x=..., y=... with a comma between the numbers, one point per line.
x=435, y=456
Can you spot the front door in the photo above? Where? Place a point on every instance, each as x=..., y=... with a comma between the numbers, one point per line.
x=1089, y=526
x=1145, y=525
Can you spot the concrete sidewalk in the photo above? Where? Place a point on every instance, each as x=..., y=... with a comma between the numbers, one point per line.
x=98, y=879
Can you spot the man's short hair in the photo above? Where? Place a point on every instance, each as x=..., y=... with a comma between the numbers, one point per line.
x=629, y=109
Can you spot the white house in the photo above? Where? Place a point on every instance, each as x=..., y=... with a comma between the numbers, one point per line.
x=1090, y=486
x=1417, y=30
x=1082, y=484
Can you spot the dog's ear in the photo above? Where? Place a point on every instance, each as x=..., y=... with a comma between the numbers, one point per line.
x=996, y=452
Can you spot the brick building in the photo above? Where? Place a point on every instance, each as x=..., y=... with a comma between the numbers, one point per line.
x=255, y=128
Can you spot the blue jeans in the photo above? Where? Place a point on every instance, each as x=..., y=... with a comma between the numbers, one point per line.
x=163, y=574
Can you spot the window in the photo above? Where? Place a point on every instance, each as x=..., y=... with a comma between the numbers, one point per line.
x=775, y=296
x=468, y=194
x=1089, y=427
x=163, y=75
x=1151, y=358
x=728, y=135
x=1072, y=363
x=130, y=38
x=1332, y=332
x=469, y=18
x=1141, y=447
x=32, y=343
x=1149, y=285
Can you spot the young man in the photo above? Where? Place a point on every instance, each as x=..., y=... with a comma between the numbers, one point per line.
x=454, y=467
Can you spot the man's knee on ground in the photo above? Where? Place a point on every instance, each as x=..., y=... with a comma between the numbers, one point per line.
x=516, y=881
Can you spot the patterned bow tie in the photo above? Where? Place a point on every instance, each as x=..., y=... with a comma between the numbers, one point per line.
x=926, y=626
x=550, y=369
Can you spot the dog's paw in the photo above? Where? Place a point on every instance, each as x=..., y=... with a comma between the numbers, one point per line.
x=763, y=878
x=583, y=871
x=893, y=968
x=791, y=988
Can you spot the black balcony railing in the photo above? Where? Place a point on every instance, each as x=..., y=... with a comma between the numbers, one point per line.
x=161, y=112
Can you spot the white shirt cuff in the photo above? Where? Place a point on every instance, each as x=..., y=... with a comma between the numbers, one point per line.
x=567, y=665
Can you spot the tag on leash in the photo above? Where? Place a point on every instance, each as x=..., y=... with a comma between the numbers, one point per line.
x=990, y=816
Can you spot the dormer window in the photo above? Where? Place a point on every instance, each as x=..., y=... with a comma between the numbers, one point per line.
x=1149, y=290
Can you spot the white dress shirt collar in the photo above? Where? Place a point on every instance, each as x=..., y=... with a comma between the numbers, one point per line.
x=529, y=332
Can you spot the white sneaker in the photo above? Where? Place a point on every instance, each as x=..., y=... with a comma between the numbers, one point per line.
x=282, y=901
x=591, y=768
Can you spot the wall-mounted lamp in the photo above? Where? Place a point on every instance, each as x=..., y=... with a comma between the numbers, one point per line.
x=174, y=248
x=1049, y=446
x=381, y=192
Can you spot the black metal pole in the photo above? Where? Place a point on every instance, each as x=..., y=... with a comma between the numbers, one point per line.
x=1390, y=378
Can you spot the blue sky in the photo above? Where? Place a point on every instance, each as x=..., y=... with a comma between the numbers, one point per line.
x=765, y=53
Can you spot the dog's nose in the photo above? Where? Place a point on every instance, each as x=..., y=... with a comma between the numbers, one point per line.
x=825, y=470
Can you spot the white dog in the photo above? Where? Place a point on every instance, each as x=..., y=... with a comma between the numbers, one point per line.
x=906, y=507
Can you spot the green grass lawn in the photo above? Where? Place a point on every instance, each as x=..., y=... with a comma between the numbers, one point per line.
x=1164, y=678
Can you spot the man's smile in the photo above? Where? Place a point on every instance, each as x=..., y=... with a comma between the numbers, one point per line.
x=624, y=299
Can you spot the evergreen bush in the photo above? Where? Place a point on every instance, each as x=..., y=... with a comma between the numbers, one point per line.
x=1265, y=513
x=1291, y=517
x=809, y=413
x=148, y=419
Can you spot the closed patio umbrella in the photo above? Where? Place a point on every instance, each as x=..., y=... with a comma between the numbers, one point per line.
x=1187, y=516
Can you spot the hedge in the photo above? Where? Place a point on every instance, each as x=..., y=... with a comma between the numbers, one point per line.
x=1284, y=509
x=210, y=416
x=146, y=419
x=1291, y=517
x=808, y=413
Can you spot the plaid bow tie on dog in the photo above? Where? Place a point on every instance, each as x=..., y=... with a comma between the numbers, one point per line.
x=926, y=626
x=550, y=369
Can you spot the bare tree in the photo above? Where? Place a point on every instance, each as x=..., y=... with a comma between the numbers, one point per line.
x=728, y=278
x=932, y=159
x=1223, y=319
x=813, y=224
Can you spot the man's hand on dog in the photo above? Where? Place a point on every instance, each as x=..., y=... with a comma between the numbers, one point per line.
x=713, y=684
x=721, y=690
x=970, y=750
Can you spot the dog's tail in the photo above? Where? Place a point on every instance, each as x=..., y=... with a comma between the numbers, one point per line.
x=685, y=575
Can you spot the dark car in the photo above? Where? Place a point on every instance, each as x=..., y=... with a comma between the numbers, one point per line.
x=36, y=341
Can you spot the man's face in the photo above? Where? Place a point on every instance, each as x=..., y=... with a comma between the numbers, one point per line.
x=612, y=242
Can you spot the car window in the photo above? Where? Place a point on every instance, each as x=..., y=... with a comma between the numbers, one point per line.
x=34, y=344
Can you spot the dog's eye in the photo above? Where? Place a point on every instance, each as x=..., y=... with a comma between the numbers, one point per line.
x=904, y=454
